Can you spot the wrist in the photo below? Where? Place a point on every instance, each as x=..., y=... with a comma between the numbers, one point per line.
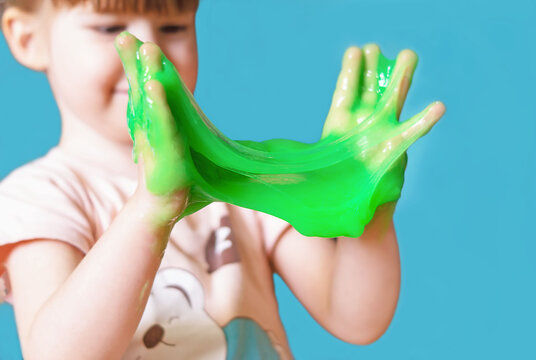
x=159, y=212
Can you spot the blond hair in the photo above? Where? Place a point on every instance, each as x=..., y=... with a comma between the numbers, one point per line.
x=120, y=6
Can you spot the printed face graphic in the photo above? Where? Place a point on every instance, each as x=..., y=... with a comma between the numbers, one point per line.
x=175, y=324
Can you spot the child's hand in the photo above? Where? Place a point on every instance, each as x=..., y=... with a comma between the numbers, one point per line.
x=158, y=146
x=374, y=96
x=368, y=101
x=329, y=188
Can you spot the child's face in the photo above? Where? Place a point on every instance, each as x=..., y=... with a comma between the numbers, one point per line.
x=85, y=72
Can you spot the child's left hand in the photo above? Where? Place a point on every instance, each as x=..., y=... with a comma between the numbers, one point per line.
x=370, y=95
x=369, y=100
x=351, y=285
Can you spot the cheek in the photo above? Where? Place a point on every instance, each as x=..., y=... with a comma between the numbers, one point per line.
x=188, y=72
x=82, y=76
x=185, y=60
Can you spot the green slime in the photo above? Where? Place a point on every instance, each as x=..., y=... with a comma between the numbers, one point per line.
x=328, y=188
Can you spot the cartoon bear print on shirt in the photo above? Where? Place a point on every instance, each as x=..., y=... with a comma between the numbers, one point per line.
x=175, y=324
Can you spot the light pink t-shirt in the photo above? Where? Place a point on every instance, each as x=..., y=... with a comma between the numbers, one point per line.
x=213, y=296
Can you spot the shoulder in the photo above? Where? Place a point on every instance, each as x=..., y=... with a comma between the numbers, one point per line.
x=49, y=172
x=45, y=199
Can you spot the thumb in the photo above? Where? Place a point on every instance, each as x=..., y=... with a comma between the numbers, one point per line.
x=142, y=158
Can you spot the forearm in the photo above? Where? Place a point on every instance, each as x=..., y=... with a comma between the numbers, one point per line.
x=365, y=281
x=95, y=313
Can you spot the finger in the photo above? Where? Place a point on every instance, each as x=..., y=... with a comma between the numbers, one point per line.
x=397, y=89
x=345, y=95
x=127, y=46
x=168, y=172
x=409, y=59
x=162, y=128
x=370, y=79
x=347, y=88
x=143, y=155
x=409, y=131
x=151, y=60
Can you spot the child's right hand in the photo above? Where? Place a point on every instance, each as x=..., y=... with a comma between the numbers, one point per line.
x=158, y=147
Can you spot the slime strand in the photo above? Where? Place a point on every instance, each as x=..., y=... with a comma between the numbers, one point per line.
x=329, y=188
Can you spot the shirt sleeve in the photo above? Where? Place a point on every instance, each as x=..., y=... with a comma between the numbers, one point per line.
x=38, y=203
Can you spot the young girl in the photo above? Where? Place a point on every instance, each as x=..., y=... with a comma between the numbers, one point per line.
x=97, y=267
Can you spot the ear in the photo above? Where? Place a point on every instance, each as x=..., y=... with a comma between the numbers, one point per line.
x=26, y=42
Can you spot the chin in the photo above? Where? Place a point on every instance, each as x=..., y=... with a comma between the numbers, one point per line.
x=118, y=133
x=122, y=137
x=117, y=126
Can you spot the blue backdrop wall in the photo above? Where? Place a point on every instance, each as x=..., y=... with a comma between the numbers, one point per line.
x=465, y=221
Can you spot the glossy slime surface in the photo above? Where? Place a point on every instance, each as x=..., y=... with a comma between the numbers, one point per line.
x=329, y=188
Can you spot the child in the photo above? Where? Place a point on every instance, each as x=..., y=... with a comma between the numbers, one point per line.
x=97, y=266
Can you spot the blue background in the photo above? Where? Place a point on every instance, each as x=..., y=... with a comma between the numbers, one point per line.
x=465, y=221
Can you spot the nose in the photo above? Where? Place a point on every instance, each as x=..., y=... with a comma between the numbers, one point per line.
x=143, y=30
x=153, y=336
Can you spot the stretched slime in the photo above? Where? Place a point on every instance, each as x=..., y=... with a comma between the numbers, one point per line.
x=328, y=188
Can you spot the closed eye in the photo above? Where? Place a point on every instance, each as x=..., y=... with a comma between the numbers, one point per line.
x=109, y=29
x=176, y=287
x=172, y=29
x=172, y=318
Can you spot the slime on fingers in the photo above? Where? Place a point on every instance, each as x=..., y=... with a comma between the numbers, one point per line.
x=328, y=188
